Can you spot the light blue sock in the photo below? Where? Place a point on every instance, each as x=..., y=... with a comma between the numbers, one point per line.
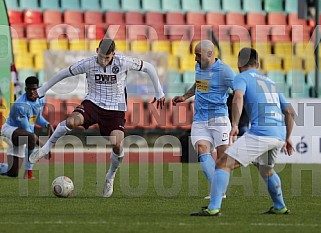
x=3, y=169
x=273, y=184
x=28, y=165
x=219, y=185
x=208, y=166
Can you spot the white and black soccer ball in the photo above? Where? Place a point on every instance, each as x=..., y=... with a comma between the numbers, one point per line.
x=62, y=186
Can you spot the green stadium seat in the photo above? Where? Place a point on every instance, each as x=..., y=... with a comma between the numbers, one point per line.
x=174, y=77
x=211, y=6
x=110, y=5
x=152, y=5
x=29, y=5
x=131, y=5
x=231, y=6
x=12, y=4
x=279, y=79
x=189, y=77
x=70, y=5
x=296, y=81
x=273, y=6
x=291, y=6
x=41, y=76
x=15, y=17
x=50, y=5
x=252, y=5
x=191, y=6
x=311, y=82
x=90, y=5
x=171, y=5
x=25, y=73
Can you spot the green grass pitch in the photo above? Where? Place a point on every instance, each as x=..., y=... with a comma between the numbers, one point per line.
x=157, y=198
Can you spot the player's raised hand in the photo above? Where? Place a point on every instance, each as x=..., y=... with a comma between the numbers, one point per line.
x=178, y=99
x=160, y=102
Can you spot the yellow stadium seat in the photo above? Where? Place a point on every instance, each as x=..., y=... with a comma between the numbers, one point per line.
x=37, y=46
x=309, y=64
x=263, y=48
x=121, y=45
x=139, y=46
x=292, y=63
x=78, y=45
x=93, y=44
x=58, y=44
x=161, y=46
x=231, y=61
x=24, y=61
x=283, y=49
x=237, y=46
x=39, y=62
x=19, y=46
x=173, y=63
x=226, y=49
x=180, y=48
x=271, y=62
x=304, y=49
x=187, y=63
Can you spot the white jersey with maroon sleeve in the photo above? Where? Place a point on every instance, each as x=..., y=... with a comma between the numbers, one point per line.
x=106, y=86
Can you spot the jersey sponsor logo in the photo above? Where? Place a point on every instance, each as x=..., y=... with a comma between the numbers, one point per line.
x=115, y=69
x=202, y=85
x=105, y=79
x=32, y=119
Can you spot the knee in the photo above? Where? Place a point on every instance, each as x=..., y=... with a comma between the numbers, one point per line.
x=202, y=149
x=117, y=148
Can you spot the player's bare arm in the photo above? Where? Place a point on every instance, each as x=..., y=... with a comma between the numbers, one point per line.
x=188, y=94
x=289, y=122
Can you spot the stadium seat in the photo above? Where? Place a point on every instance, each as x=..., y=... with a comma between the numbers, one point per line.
x=25, y=73
x=71, y=5
x=174, y=18
x=29, y=5
x=180, y=48
x=122, y=45
x=32, y=17
x=151, y=5
x=19, y=46
x=226, y=48
x=173, y=64
x=187, y=63
x=189, y=77
x=139, y=46
x=238, y=45
x=263, y=48
x=93, y=44
x=311, y=82
x=260, y=33
x=280, y=34
x=132, y=17
x=283, y=48
x=110, y=5
x=55, y=31
x=75, y=32
x=37, y=46
x=77, y=45
x=73, y=17
x=24, y=61
x=15, y=17
x=157, y=32
x=154, y=18
x=17, y=31
x=175, y=86
x=131, y=5
x=171, y=5
x=273, y=6
x=230, y=60
x=194, y=18
x=39, y=61
x=291, y=6
x=137, y=32
x=252, y=6
x=191, y=6
x=93, y=17
x=240, y=34
x=116, y=32
x=12, y=4
x=293, y=19
x=271, y=62
x=279, y=78
x=296, y=81
x=211, y=6
x=52, y=17
x=276, y=18
x=235, y=19
x=61, y=44
x=52, y=5
x=215, y=18
x=291, y=62
x=161, y=46
x=231, y=6
x=304, y=49
x=173, y=29
x=253, y=19
x=114, y=17
x=300, y=33
x=35, y=31
x=94, y=32
x=90, y=5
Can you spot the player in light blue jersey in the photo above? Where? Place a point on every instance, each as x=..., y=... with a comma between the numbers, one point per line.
x=211, y=125
x=268, y=133
x=18, y=131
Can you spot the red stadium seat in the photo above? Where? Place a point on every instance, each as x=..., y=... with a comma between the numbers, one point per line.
x=280, y=34
x=137, y=32
x=114, y=18
x=157, y=32
x=235, y=19
x=294, y=20
x=176, y=27
x=55, y=31
x=195, y=18
x=73, y=17
x=15, y=17
x=261, y=33
x=154, y=18
x=93, y=17
x=95, y=32
x=253, y=19
x=75, y=31
x=215, y=19
x=239, y=33
x=17, y=31
x=174, y=18
x=52, y=17
x=133, y=17
x=116, y=32
x=300, y=33
x=35, y=31
x=32, y=17
x=276, y=18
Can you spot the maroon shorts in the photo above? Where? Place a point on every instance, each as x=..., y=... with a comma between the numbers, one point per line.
x=108, y=120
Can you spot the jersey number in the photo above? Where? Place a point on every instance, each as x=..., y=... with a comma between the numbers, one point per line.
x=271, y=95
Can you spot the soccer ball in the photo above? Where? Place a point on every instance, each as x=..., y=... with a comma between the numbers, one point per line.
x=62, y=186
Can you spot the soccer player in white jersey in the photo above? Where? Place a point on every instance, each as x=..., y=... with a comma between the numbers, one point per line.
x=18, y=131
x=211, y=125
x=105, y=102
x=267, y=134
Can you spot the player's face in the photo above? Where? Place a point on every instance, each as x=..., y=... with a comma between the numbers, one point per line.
x=104, y=59
x=30, y=91
x=201, y=57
